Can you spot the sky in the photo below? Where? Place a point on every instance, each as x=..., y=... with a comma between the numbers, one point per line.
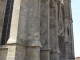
x=76, y=25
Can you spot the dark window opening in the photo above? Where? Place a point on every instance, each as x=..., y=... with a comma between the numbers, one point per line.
x=67, y=30
x=7, y=22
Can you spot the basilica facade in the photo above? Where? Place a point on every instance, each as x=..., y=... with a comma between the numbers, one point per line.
x=36, y=30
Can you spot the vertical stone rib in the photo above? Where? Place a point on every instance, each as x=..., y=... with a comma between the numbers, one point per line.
x=25, y=30
x=72, y=38
x=69, y=48
x=12, y=41
x=33, y=22
x=15, y=22
x=54, y=54
x=61, y=31
x=44, y=30
x=33, y=29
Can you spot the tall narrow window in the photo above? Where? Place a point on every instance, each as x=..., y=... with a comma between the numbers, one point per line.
x=7, y=22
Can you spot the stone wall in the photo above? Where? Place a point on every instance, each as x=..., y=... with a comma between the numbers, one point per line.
x=3, y=52
x=40, y=30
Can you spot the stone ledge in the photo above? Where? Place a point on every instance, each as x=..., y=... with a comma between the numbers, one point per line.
x=43, y=0
x=33, y=43
x=3, y=47
x=68, y=19
x=55, y=52
x=47, y=48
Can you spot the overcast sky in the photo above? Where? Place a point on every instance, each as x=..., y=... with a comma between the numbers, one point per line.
x=76, y=25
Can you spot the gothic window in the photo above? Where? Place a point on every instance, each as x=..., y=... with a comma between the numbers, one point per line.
x=7, y=22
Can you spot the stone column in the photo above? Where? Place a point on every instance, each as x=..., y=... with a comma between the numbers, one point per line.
x=69, y=48
x=61, y=30
x=33, y=29
x=16, y=50
x=44, y=30
x=25, y=35
x=72, y=38
x=54, y=54
x=71, y=34
x=2, y=14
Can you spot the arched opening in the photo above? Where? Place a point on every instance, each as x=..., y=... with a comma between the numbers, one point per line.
x=61, y=48
x=7, y=22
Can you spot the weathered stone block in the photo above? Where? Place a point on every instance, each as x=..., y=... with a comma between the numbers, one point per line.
x=16, y=52
x=45, y=55
x=3, y=52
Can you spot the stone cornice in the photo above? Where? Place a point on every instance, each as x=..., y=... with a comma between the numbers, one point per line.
x=68, y=18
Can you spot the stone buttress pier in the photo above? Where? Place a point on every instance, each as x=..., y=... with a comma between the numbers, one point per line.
x=44, y=30
x=36, y=30
x=24, y=42
x=54, y=53
x=69, y=47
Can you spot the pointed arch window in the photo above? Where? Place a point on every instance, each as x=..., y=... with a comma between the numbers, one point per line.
x=7, y=22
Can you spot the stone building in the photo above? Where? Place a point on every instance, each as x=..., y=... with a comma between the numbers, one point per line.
x=36, y=30
x=77, y=58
